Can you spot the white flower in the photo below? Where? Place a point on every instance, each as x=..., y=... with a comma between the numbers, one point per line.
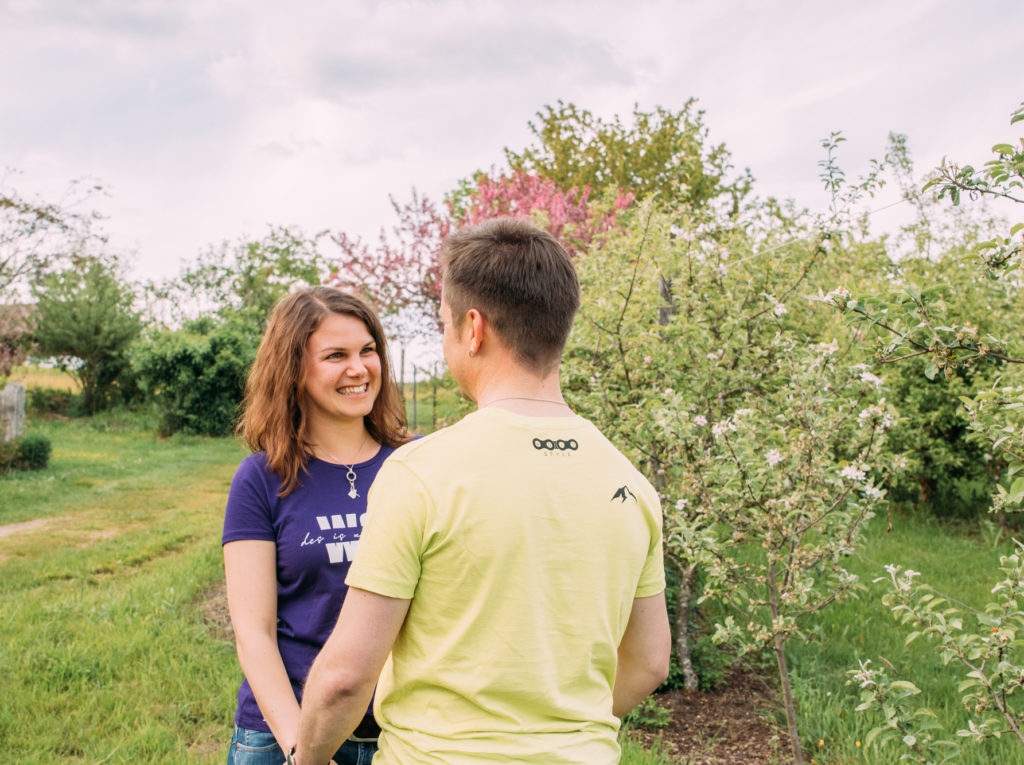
x=719, y=428
x=668, y=391
x=744, y=412
x=840, y=296
x=852, y=472
x=723, y=270
x=829, y=348
x=872, y=492
x=870, y=378
x=701, y=420
x=647, y=359
x=682, y=503
x=773, y=457
x=779, y=309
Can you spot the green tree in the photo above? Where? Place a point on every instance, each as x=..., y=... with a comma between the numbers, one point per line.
x=244, y=278
x=661, y=152
x=917, y=322
x=696, y=354
x=84, y=317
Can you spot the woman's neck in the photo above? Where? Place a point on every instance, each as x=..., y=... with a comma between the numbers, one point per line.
x=343, y=444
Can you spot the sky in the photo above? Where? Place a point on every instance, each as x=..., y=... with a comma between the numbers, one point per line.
x=209, y=120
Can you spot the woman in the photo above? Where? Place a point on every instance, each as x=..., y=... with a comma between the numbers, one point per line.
x=321, y=414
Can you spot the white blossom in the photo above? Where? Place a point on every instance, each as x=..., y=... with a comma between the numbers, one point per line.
x=872, y=492
x=773, y=457
x=852, y=472
x=870, y=378
x=719, y=429
x=829, y=348
x=701, y=420
x=780, y=309
x=682, y=503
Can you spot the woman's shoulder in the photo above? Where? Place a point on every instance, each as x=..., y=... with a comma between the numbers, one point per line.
x=255, y=469
x=254, y=463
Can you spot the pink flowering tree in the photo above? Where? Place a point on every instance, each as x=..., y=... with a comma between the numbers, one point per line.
x=401, y=273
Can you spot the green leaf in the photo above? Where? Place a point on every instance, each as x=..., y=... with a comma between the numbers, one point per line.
x=930, y=370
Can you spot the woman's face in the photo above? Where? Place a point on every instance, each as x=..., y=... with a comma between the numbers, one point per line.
x=342, y=370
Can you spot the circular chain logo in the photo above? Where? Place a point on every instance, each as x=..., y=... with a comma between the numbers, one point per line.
x=560, y=445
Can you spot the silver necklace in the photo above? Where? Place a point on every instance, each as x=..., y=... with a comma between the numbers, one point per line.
x=524, y=398
x=351, y=474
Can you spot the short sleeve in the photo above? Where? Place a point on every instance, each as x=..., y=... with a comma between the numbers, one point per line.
x=393, y=539
x=652, y=577
x=248, y=514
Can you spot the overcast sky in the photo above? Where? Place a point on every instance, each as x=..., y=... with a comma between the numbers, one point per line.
x=209, y=120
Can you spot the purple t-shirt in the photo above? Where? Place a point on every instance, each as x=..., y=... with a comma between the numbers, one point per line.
x=316, y=529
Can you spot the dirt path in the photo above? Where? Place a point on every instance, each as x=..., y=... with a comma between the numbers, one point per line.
x=14, y=528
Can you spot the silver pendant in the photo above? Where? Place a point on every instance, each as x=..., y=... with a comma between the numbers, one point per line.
x=351, y=476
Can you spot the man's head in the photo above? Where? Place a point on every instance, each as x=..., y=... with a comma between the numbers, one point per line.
x=522, y=281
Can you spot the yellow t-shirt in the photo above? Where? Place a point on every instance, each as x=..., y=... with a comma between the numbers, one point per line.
x=522, y=543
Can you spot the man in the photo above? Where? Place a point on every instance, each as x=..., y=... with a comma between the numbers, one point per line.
x=511, y=565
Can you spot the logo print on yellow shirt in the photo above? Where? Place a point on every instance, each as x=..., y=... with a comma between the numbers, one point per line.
x=621, y=494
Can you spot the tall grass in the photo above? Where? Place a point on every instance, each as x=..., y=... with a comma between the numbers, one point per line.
x=43, y=377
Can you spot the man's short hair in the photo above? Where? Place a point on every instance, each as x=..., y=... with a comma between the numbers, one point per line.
x=523, y=282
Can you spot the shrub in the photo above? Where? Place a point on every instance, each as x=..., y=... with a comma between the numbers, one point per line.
x=949, y=473
x=50, y=400
x=34, y=452
x=196, y=375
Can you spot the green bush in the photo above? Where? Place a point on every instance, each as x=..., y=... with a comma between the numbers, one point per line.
x=34, y=452
x=196, y=375
x=950, y=474
x=31, y=452
x=51, y=400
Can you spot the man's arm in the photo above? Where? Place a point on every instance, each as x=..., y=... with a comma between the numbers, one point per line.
x=643, y=654
x=341, y=680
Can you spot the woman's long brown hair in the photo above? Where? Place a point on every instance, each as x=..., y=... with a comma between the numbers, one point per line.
x=274, y=418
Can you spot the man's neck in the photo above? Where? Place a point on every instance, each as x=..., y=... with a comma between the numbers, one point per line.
x=520, y=391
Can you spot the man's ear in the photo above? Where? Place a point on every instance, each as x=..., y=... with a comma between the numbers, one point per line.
x=477, y=328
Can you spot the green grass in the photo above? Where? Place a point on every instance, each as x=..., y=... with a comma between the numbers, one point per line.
x=110, y=654
x=436, y=406
x=107, y=653
x=960, y=566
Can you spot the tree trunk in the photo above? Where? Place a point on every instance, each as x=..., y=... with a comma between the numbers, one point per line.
x=787, y=695
x=681, y=638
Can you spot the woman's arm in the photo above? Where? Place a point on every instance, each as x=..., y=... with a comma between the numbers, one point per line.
x=250, y=567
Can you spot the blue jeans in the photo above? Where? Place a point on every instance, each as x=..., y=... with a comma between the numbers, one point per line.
x=255, y=747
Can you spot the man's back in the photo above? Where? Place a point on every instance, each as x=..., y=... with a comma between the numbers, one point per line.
x=522, y=543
